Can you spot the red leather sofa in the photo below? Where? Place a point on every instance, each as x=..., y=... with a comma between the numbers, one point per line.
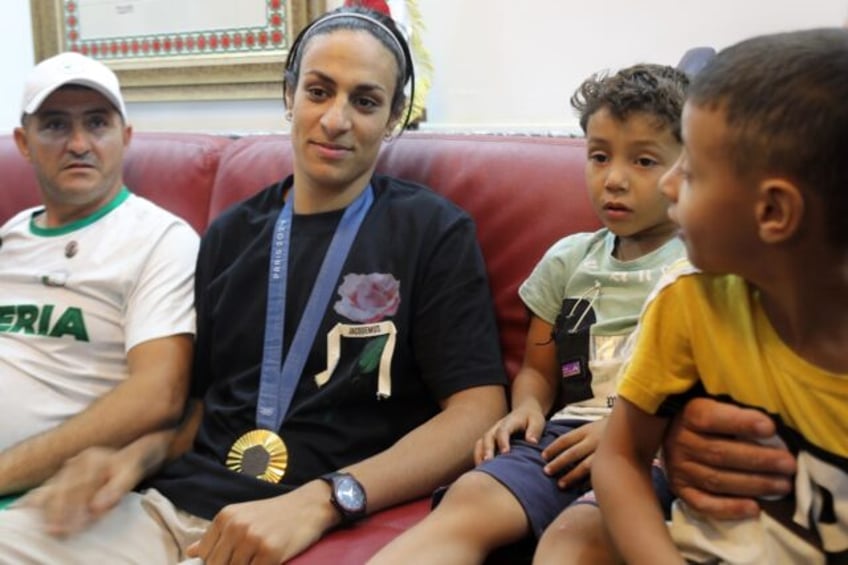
x=524, y=193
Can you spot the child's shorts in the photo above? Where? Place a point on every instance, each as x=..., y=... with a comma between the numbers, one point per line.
x=521, y=472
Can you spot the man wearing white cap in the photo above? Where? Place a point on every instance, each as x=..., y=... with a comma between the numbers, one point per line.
x=96, y=310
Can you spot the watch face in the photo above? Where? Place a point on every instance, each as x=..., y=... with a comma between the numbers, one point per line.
x=349, y=494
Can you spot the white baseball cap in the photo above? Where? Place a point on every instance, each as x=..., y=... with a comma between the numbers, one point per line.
x=70, y=68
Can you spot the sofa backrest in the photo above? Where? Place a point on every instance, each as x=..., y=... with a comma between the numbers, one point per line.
x=524, y=192
x=18, y=189
x=176, y=171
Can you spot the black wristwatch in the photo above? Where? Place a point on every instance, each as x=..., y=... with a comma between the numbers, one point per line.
x=347, y=495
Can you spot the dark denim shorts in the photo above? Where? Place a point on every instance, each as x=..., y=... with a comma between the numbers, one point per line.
x=520, y=471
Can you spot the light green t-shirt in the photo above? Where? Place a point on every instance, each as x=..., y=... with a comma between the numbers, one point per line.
x=582, y=266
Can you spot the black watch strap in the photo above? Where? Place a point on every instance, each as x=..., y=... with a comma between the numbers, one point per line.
x=347, y=495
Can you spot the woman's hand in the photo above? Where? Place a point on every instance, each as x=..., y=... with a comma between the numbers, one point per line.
x=268, y=531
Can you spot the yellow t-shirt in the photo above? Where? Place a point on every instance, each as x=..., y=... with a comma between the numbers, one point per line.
x=711, y=331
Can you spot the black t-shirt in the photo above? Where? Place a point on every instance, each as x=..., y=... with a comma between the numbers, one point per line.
x=415, y=262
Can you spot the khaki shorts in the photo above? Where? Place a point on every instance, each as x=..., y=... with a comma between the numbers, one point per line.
x=143, y=528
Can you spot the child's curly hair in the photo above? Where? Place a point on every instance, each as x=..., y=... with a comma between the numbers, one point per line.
x=658, y=90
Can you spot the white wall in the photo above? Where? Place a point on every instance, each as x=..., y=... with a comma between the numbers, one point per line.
x=514, y=65
x=501, y=65
x=16, y=46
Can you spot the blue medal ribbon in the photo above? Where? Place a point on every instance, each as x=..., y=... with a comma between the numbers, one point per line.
x=277, y=384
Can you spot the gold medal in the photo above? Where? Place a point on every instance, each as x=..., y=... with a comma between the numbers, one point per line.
x=261, y=454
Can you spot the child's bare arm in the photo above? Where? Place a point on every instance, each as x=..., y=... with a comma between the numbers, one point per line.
x=537, y=382
x=622, y=481
x=571, y=454
x=534, y=391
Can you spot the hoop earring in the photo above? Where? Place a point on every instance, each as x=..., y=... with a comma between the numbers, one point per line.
x=288, y=115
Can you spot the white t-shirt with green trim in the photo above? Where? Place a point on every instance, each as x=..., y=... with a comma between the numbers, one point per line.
x=74, y=300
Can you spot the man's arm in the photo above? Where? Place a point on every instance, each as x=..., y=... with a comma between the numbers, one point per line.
x=90, y=484
x=151, y=398
x=433, y=454
x=714, y=465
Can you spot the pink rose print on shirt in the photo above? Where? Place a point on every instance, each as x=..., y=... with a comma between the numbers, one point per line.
x=368, y=298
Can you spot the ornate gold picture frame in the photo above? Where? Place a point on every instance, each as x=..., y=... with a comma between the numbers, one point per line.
x=159, y=53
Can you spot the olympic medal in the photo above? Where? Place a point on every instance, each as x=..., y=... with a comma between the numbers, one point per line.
x=261, y=454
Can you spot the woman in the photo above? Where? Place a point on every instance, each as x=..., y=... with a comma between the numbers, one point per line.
x=390, y=367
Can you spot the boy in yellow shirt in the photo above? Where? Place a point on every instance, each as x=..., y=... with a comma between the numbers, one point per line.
x=761, y=196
